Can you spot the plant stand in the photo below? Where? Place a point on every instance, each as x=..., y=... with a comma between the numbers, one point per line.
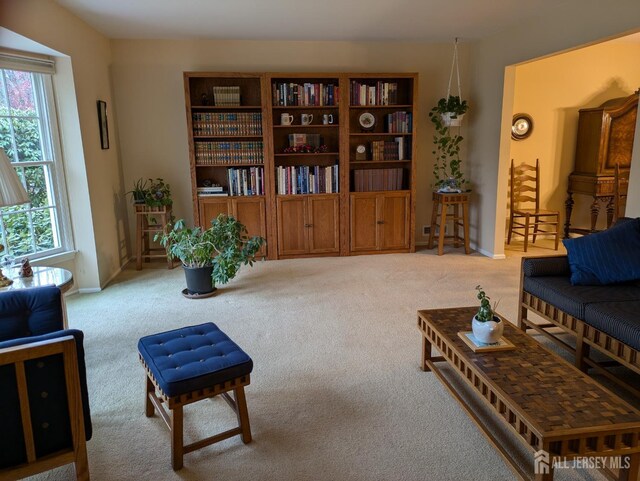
x=150, y=221
x=441, y=203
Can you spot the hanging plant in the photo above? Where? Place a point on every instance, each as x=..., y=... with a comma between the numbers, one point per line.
x=448, y=113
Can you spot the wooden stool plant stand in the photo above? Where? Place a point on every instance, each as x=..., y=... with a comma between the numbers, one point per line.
x=218, y=366
x=441, y=203
x=145, y=230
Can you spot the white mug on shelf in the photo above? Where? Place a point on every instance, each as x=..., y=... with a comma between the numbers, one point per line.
x=327, y=119
x=306, y=119
x=286, y=119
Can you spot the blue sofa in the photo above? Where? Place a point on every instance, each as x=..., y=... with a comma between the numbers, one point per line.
x=44, y=407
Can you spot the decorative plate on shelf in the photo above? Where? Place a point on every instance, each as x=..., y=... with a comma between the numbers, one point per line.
x=367, y=121
x=521, y=126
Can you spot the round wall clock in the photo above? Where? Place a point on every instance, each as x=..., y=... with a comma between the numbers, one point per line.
x=521, y=126
x=367, y=121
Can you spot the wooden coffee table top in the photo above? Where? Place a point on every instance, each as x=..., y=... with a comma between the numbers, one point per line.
x=551, y=395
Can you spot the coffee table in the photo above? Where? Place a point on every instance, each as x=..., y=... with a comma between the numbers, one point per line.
x=559, y=412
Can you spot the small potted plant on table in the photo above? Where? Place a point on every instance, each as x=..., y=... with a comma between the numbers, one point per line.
x=486, y=326
x=139, y=191
x=212, y=255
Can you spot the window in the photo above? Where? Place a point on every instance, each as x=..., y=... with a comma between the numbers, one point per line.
x=29, y=136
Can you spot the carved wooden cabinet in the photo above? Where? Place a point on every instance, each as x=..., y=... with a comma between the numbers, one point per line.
x=605, y=138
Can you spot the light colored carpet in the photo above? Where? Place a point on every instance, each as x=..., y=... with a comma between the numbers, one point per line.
x=336, y=391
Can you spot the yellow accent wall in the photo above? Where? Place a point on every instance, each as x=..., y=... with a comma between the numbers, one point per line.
x=552, y=90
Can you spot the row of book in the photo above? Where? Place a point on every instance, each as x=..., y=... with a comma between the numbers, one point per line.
x=211, y=191
x=306, y=179
x=221, y=153
x=381, y=93
x=370, y=180
x=226, y=96
x=247, y=181
x=399, y=122
x=398, y=149
x=307, y=94
x=227, y=123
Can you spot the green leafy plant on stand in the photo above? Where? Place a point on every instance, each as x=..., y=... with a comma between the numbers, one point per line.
x=157, y=193
x=139, y=191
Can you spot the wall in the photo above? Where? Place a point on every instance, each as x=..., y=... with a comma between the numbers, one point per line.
x=489, y=132
x=147, y=76
x=93, y=175
x=552, y=90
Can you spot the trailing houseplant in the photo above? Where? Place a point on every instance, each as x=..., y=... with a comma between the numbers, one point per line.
x=139, y=191
x=486, y=326
x=446, y=167
x=211, y=256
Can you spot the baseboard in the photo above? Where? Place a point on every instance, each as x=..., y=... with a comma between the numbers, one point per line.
x=115, y=274
x=89, y=290
x=488, y=254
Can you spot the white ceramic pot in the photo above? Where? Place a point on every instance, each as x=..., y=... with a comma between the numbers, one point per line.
x=450, y=121
x=488, y=332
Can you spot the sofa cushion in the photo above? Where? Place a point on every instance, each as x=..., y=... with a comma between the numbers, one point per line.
x=558, y=291
x=192, y=358
x=30, y=312
x=47, y=402
x=606, y=257
x=620, y=320
x=546, y=266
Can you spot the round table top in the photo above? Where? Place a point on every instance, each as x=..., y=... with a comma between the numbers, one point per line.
x=42, y=276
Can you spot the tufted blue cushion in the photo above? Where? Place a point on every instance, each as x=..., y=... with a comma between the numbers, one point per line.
x=30, y=312
x=607, y=257
x=49, y=412
x=192, y=358
x=545, y=266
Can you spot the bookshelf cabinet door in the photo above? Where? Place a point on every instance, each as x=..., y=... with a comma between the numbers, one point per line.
x=324, y=224
x=251, y=213
x=395, y=215
x=364, y=226
x=211, y=208
x=293, y=238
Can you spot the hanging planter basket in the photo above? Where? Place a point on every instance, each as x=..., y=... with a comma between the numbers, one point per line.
x=451, y=119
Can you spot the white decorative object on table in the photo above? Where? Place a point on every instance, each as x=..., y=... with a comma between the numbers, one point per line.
x=488, y=332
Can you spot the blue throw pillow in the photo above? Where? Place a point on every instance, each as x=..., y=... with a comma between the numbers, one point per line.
x=607, y=257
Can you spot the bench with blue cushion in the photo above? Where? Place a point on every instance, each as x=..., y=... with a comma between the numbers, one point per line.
x=190, y=364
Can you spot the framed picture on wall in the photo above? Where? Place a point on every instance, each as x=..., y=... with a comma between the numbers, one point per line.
x=103, y=124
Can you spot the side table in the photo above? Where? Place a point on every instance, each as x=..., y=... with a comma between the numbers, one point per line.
x=441, y=203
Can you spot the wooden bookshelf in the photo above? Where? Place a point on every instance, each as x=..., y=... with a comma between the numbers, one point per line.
x=351, y=217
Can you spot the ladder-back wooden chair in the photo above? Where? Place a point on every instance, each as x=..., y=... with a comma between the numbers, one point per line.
x=526, y=218
x=619, y=195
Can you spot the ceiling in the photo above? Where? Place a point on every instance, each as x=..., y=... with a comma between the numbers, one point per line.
x=383, y=20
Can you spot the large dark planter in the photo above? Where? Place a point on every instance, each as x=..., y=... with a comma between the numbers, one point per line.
x=199, y=280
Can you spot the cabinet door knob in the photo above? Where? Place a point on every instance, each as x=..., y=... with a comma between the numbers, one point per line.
x=308, y=225
x=380, y=222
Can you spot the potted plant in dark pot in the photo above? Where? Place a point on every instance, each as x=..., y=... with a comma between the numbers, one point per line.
x=486, y=326
x=210, y=256
x=139, y=191
x=446, y=167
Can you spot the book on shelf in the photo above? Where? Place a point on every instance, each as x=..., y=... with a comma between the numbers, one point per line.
x=305, y=179
x=227, y=123
x=297, y=140
x=210, y=190
x=223, y=153
x=213, y=194
x=399, y=122
x=371, y=180
x=228, y=96
x=305, y=94
x=378, y=93
x=398, y=149
x=246, y=181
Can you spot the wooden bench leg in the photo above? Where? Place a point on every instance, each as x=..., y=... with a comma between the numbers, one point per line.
x=177, y=444
x=243, y=414
x=148, y=405
x=631, y=472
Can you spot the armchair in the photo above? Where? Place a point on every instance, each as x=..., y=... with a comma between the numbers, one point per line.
x=44, y=406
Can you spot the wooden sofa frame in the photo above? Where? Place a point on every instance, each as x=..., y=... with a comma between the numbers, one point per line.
x=77, y=453
x=586, y=337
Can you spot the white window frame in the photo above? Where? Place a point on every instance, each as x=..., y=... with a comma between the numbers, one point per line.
x=50, y=141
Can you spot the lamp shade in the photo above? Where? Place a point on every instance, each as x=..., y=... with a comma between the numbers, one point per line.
x=11, y=189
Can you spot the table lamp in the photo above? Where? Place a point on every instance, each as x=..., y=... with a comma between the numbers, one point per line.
x=11, y=193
